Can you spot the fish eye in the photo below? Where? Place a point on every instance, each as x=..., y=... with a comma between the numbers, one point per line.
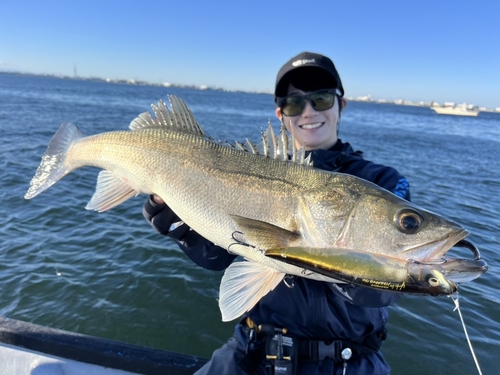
x=408, y=221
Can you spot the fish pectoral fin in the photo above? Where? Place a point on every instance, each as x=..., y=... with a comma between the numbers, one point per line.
x=244, y=283
x=110, y=191
x=264, y=235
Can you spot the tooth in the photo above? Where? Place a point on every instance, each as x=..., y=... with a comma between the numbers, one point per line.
x=311, y=126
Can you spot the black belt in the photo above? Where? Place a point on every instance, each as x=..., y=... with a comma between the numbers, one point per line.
x=284, y=351
x=314, y=350
x=338, y=350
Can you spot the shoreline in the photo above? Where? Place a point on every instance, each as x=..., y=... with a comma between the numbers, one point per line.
x=366, y=99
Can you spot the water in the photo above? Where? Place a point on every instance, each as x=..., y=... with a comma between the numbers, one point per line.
x=111, y=275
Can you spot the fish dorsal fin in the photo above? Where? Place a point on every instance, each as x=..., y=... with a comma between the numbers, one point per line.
x=283, y=144
x=250, y=147
x=243, y=284
x=271, y=141
x=298, y=155
x=179, y=117
x=279, y=147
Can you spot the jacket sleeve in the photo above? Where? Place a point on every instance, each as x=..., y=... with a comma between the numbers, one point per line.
x=197, y=248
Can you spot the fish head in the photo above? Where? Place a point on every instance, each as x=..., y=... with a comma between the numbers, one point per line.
x=384, y=223
x=359, y=215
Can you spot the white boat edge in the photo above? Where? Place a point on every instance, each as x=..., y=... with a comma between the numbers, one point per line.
x=17, y=360
x=30, y=349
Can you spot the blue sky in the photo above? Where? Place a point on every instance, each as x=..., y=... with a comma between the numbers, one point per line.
x=440, y=50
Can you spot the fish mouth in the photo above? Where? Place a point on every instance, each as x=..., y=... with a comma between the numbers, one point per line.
x=469, y=245
x=437, y=249
x=461, y=270
x=314, y=125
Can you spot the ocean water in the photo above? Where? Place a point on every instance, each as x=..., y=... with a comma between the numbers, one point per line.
x=110, y=275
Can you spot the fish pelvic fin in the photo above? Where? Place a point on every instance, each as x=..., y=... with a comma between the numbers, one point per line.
x=110, y=192
x=264, y=235
x=179, y=117
x=52, y=167
x=243, y=284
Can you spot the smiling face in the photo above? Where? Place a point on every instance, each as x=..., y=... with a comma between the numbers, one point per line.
x=314, y=129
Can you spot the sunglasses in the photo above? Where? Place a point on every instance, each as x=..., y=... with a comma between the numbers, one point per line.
x=321, y=100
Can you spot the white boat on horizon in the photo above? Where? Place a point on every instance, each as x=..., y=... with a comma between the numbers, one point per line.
x=457, y=110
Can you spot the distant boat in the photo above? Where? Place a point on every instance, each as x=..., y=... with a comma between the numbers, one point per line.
x=457, y=110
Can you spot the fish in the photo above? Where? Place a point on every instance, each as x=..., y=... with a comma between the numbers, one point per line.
x=244, y=197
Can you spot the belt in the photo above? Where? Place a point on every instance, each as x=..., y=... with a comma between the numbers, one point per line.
x=338, y=350
x=314, y=350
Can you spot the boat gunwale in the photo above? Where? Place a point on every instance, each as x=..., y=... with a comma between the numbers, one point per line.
x=96, y=350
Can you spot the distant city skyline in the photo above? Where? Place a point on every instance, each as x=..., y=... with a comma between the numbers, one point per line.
x=363, y=98
x=417, y=51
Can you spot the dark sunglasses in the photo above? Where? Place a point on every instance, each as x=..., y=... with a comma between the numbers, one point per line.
x=321, y=100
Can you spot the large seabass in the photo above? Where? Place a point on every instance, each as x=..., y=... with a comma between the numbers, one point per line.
x=258, y=199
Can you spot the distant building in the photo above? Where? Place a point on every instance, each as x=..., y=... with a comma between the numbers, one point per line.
x=366, y=98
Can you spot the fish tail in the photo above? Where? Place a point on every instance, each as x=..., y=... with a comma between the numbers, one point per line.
x=52, y=167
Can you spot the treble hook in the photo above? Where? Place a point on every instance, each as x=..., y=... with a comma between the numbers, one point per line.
x=238, y=242
x=289, y=281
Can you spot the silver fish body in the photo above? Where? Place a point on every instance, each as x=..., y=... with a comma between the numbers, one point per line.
x=261, y=198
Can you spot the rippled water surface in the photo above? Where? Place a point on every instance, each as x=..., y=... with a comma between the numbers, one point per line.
x=110, y=275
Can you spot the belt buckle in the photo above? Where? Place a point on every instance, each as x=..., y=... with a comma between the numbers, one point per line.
x=338, y=350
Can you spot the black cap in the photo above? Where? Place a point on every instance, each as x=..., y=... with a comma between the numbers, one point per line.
x=312, y=64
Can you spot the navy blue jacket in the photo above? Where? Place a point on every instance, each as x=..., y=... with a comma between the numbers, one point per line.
x=310, y=309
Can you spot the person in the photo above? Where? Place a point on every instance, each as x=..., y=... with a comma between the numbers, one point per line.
x=319, y=327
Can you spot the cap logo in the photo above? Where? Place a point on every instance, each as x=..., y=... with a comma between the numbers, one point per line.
x=303, y=61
